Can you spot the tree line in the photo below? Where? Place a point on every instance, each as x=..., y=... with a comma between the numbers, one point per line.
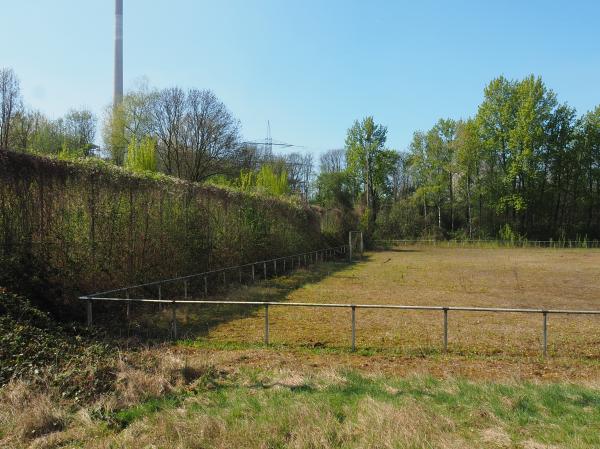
x=24, y=129
x=189, y=134
x=525, y=166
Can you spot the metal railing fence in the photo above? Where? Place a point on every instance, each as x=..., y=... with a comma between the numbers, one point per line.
x=589, y=244
x=273, y=267
x=283, y=264
x=353, y=307
x=297, y=259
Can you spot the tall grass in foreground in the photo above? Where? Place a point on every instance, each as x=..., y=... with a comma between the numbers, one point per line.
x=252, y=408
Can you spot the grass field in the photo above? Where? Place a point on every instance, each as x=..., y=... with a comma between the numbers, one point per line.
x=221, y=387
x=520, y=278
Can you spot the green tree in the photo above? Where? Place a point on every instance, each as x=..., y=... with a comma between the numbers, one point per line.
x=334, y=190
x=588, y=143
x=141, y=156
x=369, y=163
x=272, y=182
x=513, y=121
x=468, y=161
x=432, y=156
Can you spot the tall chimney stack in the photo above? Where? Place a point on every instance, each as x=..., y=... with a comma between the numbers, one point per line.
x=118, y=93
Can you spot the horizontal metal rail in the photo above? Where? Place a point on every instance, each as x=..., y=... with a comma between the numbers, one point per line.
x=320, y=252
x=519, y=243
x=354, y=307
x=348, y=305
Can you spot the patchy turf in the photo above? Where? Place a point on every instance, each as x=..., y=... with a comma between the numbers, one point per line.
x=282, y=408
x=221, y=387
x=522, y=278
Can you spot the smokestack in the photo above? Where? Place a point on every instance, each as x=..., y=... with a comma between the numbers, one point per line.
x=118, y=93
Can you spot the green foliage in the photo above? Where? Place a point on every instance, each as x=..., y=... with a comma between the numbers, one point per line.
x=401, y=219
x=335, y=190
x=507, y=234
x=247, y=181
x=141, y=156
x=523, y=160
x=271, y=182
x=369, y=163
x=68, y=153
x=268, y=181
x=114, y=134
x=33, y=345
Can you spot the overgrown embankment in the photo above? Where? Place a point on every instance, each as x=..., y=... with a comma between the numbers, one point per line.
x=71, y=227
x=36, y=347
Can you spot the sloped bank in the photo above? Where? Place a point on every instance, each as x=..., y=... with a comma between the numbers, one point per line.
x=71, y=227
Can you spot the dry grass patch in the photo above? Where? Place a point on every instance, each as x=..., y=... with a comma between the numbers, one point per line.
x=519, y=278
x=27, y=414
x=323, y=408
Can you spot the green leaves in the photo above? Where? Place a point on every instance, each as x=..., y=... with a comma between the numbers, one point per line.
x=369, y=163
x=513, y=120
x=141, y=156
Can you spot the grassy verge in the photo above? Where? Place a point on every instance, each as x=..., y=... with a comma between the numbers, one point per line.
x=251, y=408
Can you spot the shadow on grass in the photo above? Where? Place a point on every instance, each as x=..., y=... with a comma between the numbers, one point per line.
x=397, y=250
x=319, y=349
x=152, y=323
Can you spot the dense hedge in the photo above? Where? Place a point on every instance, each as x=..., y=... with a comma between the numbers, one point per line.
x=89, y=226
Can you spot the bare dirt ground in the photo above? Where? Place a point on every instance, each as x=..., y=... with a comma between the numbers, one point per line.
x=487, y=345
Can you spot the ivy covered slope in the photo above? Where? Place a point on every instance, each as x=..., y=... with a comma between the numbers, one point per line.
x=92, y=225
x=34, y=346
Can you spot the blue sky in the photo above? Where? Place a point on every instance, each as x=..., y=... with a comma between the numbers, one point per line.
x=310, y=67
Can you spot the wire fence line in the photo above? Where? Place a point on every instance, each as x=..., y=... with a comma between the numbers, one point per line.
x=353, y=308
x=559, y=244
x=295, y=260
x=180, y=289
x=280, y=265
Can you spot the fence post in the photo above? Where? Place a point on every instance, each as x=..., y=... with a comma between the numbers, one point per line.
x=128, y=303
x=362, y=245
x=265, y=269
x=174, y=320
x=224, y=279
x=545, y=331
x=284, y=264
x=252, y=272
x=275, y=267
x=205, y=287
x=445, y=329
x=350, y=246
x=240, y=273
x=266, y=324
x=353, y=328
x=89, y=312
x=185, y=289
